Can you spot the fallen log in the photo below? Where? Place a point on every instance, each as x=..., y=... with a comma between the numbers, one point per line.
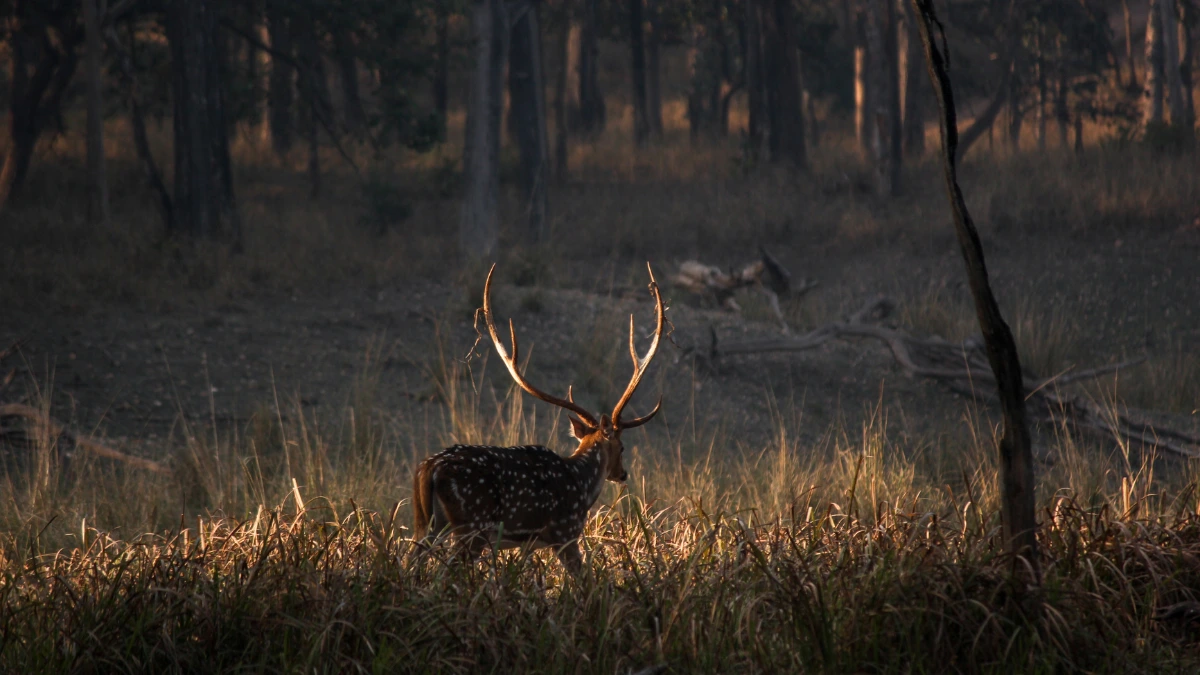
x=963, y=367
x=50, y=429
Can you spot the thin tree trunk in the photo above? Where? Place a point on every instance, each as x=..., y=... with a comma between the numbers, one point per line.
x=637, y=47
x=695, y=99
x=528, y=114
x=314, y=93
x=654, y=71
x=345, y=52
x=913, y=89
x=893, y=125
x=561, y=170
x=280, y=95
x=1152, y=89
x=441, y=72
x=863, y=102
x=1170, y=57
x=1018, y=506
x=39, y=74
x=1133, y=76
x=479, y=226
x=1186, y=57
x=1016, y=114
x=137, y=124
x=1062, y=115
x=878, y=124
x=98, y=207
x=1043, y=94
x=592, y=113
x=203, y=178
x=786, y=139
x=755, y=84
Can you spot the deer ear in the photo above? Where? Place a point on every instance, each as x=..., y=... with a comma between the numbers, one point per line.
x=579, y=428
x=606, y=426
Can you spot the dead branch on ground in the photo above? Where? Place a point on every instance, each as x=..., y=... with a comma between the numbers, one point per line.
x=963, y=367
x=766, y=274
x=17, y=419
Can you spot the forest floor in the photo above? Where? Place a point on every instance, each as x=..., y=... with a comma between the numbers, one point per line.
x=814, y=511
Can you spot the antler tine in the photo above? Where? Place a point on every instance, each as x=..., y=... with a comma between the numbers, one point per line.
x=641, y=364
x=511, y=361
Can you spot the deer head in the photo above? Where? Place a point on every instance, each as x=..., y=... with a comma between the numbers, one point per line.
x=602, y=435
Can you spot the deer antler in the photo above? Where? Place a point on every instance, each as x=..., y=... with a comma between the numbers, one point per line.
x=511, y=361
x=640, y=365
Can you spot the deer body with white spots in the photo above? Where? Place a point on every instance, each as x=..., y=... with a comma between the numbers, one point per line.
x=529, y=495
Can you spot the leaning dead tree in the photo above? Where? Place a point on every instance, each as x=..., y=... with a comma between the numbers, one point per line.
x=1018, y=508
x=964, y=368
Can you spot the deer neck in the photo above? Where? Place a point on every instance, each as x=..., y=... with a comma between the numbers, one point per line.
x=591, y=460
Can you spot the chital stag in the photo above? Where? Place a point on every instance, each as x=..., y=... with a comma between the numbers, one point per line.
x=529, y=495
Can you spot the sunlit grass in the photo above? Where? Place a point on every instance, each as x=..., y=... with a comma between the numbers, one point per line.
x=861, y=550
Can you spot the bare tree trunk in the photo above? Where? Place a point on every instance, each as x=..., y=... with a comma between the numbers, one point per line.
x=863, y=103
x=1186, y=57
x=913, y=89
x=314, y=92
x=1133, y=76
x=1043, y=93
x=786, y=138
x=441, y=69
x=592, y=113
x=561, y=90
x=39, y=73
x=695, y=99
x=1015, y=113
x=280, y=95
x=878, y=124
x=637, y=47
x=1062, y=115
x=203, y=173
x=1152, y=90
x=755, y=84
x=98, y=207
x=528, y=114
x=137, y=123
x=1018, y=506
x=1170, y=57
x=479, y=227
x=892, y=124
x=345, y=51
x=654, y=70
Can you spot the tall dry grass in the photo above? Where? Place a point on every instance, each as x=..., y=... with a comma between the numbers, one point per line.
x=277, y=546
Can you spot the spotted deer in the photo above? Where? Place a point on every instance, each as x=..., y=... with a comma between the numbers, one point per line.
x=529, y=495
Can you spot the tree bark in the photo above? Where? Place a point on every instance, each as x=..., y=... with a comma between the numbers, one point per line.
x=654, y=71
x=592, y=113
x=1186, y=57
x=137, y=124
x=479, y=225
x=1016, y=114
x=863, y=103
x=1170, y=57
x=528, y=114
x=1152, y=89
x=893, y=128
x=280, y=92
x=879, y=123
x=913, y=89
x=637, y=47
x=441, y=68
x=1018, y=506
x=561, y=89
x=98, y=206
x=1062, y=114
x=203, y=174
x=786, y=116
x=1043, y=93
x=1133, y=76
x=755, y=79
x=345, y=51
x=39, y=74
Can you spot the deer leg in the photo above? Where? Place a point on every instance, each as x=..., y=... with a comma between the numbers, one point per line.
x=571, y=558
